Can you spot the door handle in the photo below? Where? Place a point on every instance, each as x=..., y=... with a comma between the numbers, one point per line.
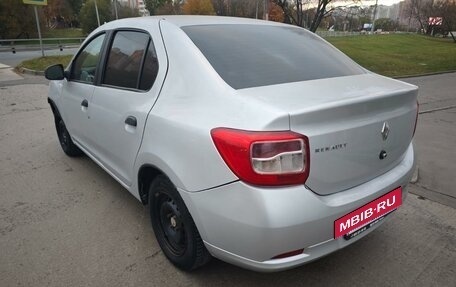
x=131, y=121
x=85, y=103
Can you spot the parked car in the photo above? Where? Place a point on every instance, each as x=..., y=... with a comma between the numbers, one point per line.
x=255, y=142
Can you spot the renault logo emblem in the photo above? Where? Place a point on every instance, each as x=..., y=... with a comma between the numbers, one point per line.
x=385, y=131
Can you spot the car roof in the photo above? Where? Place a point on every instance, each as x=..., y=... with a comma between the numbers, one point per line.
x=190, y=20
x=185, y=20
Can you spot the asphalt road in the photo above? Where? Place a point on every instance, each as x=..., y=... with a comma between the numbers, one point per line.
x=10, y=59
x=435, y=138
x=65, y=222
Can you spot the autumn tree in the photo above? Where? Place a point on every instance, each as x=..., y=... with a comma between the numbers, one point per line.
x=276, y=13
x=198, y=7
x=17, y=20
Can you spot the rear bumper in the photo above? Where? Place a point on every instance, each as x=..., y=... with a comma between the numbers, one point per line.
x=247, y=226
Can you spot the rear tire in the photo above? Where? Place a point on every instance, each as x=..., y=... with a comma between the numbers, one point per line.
x=174, y=227
x=65, y=141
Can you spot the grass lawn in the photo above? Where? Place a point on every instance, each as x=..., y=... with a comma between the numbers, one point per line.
x=40, y=64
x=63, y=33
x=397, y=55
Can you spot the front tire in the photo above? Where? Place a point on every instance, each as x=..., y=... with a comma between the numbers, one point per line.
x=174, y=227
x=66, y=143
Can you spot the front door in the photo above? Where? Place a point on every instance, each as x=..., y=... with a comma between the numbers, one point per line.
x=120, y=105
x=78, y=90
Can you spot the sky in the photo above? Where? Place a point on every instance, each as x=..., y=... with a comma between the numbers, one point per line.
x=381, y=2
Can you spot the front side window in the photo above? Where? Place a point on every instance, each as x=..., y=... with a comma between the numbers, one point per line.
x=125, y=59
x=85, y=65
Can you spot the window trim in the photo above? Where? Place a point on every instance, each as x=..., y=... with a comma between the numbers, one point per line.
x=103, y=65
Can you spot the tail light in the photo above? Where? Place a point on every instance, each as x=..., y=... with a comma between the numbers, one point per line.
x=264, y=158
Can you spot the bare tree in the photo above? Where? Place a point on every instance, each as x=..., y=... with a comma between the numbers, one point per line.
x=317, y=10
x=239, y=8
x=447, y=10
x=418, y=11
x=293, y=11
x=422, y=10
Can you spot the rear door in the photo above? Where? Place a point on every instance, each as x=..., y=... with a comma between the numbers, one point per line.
x=133, y=74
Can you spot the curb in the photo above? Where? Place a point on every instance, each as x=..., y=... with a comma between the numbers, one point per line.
x=415, y=176
x=425, y=74
x=30, y=72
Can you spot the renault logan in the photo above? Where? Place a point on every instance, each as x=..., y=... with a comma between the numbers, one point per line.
x=254, y=142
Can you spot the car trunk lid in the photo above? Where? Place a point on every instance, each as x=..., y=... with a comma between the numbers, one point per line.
x=359, y=127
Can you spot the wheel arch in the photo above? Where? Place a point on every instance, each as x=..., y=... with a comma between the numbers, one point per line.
x=54, y=108
x=146, y=175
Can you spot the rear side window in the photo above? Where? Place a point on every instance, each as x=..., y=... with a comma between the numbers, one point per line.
x=259, y=55
x=128, y=57
x=150, y=69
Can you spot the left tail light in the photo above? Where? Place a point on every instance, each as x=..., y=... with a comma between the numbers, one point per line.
x=264, y=158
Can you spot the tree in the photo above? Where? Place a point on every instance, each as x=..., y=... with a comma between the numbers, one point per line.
x=385, y=24
x=58, y=13
x=242, y=8
x=220, y=7
x=421, y=10
x=106, y=12
x=75, y=6
x=447, y=10
x=153, y=5
x=294, y=11
x=88, y=15
x=275, y=13
x=198, y=7
x=126, y=12
x=171, y=7
x=17, y=20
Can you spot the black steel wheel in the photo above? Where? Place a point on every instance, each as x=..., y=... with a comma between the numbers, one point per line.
x=66, y=143
x=174, y=227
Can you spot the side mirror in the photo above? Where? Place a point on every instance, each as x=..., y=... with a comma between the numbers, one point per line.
x=54, y=72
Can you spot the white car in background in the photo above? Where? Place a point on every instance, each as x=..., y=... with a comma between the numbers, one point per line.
x=255, y=142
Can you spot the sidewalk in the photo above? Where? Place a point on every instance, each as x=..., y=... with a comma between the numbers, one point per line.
x=435, y=138
x=7, y=74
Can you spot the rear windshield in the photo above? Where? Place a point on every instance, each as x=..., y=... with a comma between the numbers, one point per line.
x=259, y=55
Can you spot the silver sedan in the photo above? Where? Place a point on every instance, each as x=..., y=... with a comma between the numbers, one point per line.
x=254, y=142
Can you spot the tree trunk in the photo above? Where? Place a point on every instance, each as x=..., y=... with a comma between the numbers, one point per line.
x=320, y=13
x=452, y=36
